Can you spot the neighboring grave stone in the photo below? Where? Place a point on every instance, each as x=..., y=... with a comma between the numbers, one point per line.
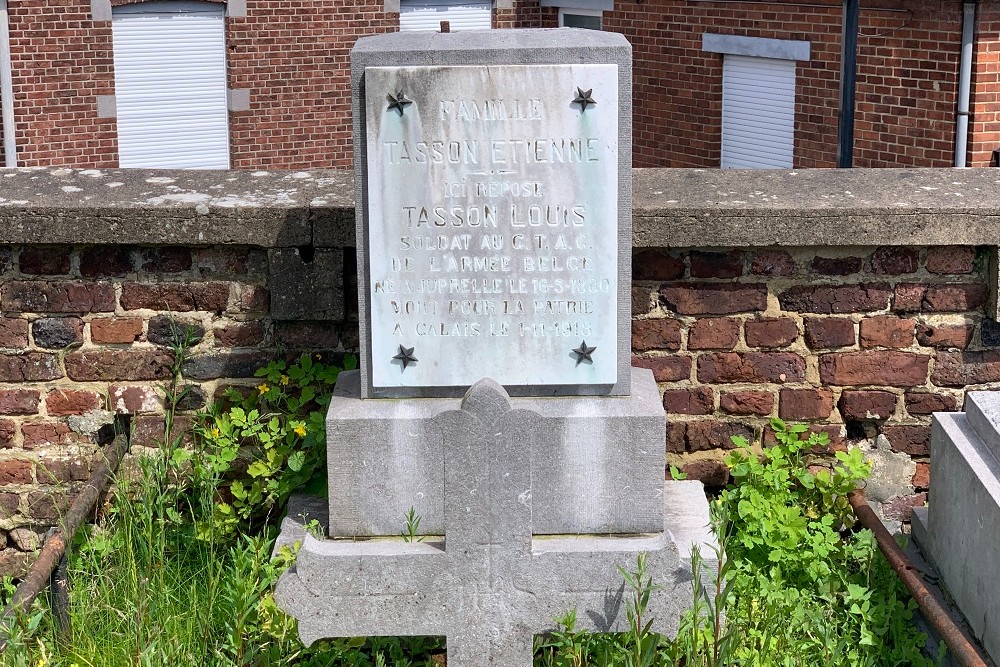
x=494, y=223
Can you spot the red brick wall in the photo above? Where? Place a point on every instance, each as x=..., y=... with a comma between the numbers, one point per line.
x=858, y=342
x=984, y=123
x=907, y=74
x=294, y=58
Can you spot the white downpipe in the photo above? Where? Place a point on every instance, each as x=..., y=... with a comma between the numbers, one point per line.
x=964, y=84
x=7, y=90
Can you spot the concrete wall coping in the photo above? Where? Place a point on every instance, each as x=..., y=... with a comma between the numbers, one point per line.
x=672, y=207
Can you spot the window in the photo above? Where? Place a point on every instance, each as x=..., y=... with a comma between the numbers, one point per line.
x=460, y=14
x=170, y=85
x=758, y=99
x=580, y=18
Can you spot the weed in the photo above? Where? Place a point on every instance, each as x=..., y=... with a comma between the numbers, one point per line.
x=412, y=526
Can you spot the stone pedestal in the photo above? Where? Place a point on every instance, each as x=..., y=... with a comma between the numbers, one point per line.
x=493, y=582
x=959, y=531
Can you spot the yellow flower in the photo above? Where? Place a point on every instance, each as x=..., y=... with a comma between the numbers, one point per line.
x=284, y=380
x=300, y=430
x=263, y=388
x=216, y=433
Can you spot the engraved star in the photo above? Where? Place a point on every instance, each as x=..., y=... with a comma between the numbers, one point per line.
x=406, y=356
x=583, y=98
x=398, y=102
x=584, y=352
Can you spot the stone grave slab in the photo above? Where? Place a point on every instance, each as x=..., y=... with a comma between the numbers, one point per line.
x=494, y=212
x=600, y=470
x=491, y=584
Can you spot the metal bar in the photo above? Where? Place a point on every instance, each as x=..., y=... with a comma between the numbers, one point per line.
x=58, y=594
x=963, y=651
x=54, y=549
x=7, y=89
x=848, y=84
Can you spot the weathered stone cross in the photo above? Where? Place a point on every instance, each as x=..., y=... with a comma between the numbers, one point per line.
x=489, y=587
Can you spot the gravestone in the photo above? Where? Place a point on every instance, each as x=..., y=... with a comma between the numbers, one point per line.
x=495, y=395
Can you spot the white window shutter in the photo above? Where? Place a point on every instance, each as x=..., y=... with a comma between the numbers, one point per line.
x=758, y=113
x=461, y=15
x=170, y=85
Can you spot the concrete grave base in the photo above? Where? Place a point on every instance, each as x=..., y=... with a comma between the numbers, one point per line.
x=596, y=467
x=346, y=588
x=493, y=582
x=959, y=532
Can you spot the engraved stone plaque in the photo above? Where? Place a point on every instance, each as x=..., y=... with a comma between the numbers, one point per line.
x=492, y=202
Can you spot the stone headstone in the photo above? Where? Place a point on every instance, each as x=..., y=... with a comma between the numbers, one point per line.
x=494, y=219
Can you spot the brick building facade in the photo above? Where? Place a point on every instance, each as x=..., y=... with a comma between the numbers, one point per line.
x=287, y=70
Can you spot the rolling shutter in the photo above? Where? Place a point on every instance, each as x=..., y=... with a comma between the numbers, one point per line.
x=428, y=14
x=170, y=85
x=758, y=113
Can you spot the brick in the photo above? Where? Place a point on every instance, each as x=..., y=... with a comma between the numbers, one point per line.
x=772, y=263
x=252, y=299
x=13, y=333
x=922, y=477
x=321, y=335
x=29, y=367
x=895, y=260
x=148, y=431
x=771, y=333
x=657, y=265
x=912, y=440
x=658, y=334
x=989, y=332
x=15, y=472
x=886, y=332
x=225, y=365
x=14, y=563
x=61, y=470
x=924, y=403
x=805, y=403
x=9, y=505
x=41, y=434
x=240, y=334
x=958, y=369
x=134, y=399
x=952, y=298
x=176, y=297
x=835, y=299
x=8, y=429
x=57, y=296
x=874, y=367
x=71, y=401
x=716, y=434
x=192, y=397
x=709, y=473
x=716, y=264
x=116, y=330
x=714, y=333
x=111, y=364
x=759, y=403
x=641, y=300
x=865, y=405
x=19, y=401
x=900, y=508
x=670, y=368
x=55, y=333
x=951, y=259
x=230, y=261
x=835, y=266
x=725, y=367
x=5, y=259
x=945, y=336
x=676, y=437
x=45, y=506
x=105, y=261
x=171, y=331
x=823, y=333
x=693, y=401
x=44, y=260
x=165, y=260
x=713, y=299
